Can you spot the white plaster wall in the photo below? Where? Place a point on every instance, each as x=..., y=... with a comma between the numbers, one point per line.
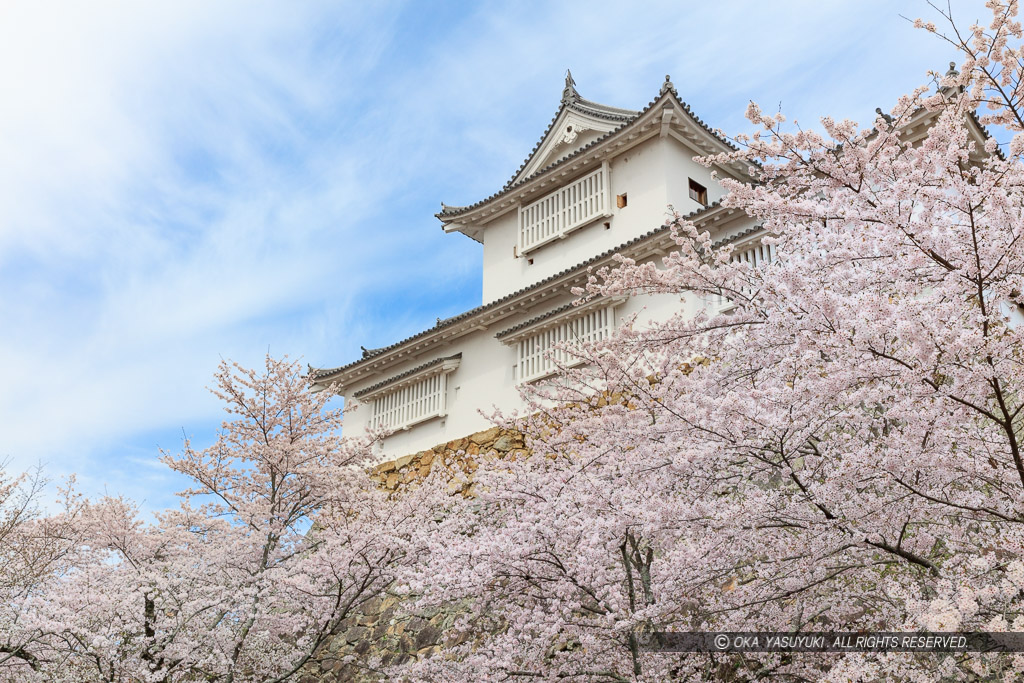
x=484, y=380
x=680, y=167
x=653, y=175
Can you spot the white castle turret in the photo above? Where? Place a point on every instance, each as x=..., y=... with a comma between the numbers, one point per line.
x=599, y=182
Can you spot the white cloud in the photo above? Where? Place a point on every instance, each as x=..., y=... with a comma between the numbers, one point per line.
x=164, y=184
x=188, y=180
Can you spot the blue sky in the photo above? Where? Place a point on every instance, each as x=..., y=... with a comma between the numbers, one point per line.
x=188, y=181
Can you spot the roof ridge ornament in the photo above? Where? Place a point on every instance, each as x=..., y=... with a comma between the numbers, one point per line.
x=667, y=86
x=569, y=94
x=952, y=73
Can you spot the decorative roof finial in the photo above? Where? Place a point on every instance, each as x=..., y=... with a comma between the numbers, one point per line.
x=952, y=70
x=569, y=94
x=878, y=110
x=667, y=85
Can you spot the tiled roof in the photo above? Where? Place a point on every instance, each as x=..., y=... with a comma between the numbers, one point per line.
x=544, y=316
x=601, y=111
x=448, y=322
x=403, y=375
x=737, y=237
x=453, y=211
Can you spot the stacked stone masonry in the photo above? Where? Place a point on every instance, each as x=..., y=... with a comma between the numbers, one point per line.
x=382, y=634
x=493, y=442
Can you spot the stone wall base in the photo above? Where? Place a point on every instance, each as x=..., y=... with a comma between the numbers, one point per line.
x=378, y=632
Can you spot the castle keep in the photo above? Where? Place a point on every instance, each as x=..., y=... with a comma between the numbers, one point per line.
x=598, y=183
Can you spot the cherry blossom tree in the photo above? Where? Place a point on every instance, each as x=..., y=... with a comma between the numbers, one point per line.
x=282, y=536
x=839, y=448
x=35, y=549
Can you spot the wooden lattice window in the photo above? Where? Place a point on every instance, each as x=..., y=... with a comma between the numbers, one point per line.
x=407, y=400
x=538, y=353
x=757, y=254
x=556, y=214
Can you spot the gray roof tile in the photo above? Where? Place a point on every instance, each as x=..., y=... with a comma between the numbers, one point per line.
x=407, y=373
x=526, y=323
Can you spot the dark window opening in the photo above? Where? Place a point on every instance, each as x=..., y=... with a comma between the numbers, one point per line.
x=698, y=192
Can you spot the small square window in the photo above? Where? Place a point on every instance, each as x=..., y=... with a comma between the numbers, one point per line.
x=698, y=192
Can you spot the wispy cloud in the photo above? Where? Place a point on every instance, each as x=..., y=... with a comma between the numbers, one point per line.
x=185, y=181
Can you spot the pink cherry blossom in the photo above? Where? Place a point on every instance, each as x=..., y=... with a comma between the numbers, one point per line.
x=840, y=450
